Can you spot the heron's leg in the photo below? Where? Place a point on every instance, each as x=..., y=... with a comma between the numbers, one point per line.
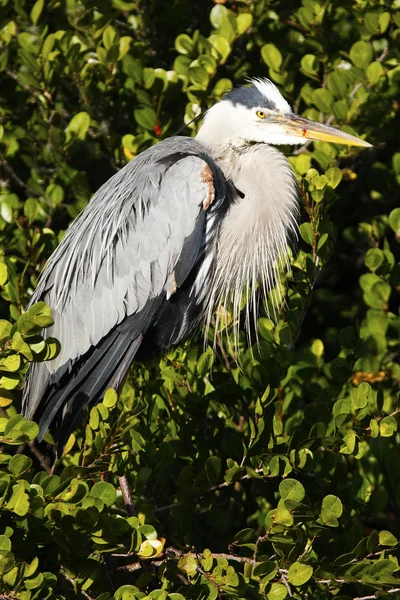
x=207, y=177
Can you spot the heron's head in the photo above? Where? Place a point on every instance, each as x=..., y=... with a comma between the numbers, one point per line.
x=260, y=114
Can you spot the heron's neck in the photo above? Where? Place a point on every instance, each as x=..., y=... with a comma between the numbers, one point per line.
x=220, y=135
x=253, y=237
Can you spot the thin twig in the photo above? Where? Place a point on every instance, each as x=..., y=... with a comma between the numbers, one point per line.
x=218, y=486
x=159, y=560
x=41, y=458
x=127, y=496
x=373, y=597
x=377, y=419
x=285, y=582
x=28, y=190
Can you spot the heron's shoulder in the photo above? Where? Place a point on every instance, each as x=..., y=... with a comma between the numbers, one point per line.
x=173, y=146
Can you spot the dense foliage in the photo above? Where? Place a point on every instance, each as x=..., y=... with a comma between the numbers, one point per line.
x=275, y=477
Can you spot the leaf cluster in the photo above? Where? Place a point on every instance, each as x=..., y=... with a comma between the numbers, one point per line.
x=275, y=475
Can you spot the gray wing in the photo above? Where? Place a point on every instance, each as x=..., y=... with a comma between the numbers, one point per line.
x=119, y=255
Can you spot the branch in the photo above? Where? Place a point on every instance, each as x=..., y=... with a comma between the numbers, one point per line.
x=160, y=559
x=373, y=597
x=127, y=496
x=41, y=458
x=28, y=190
x=377, y=419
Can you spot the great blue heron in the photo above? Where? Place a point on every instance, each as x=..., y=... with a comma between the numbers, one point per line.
x=179, y=230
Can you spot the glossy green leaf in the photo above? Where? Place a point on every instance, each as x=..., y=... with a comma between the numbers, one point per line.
x=387, y=539
x=299, y=574
x=361, y=54
x=105, y=492
x=145, y=117
x=307, y=233
x=290, y=489
x=277, y=591
x=213, y=469
x=78, y=126
x=331, y=510
x=37, y=11
x=323, y=99
x=271, y=56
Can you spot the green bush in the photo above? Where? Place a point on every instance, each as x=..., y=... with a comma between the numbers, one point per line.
x=275, y=477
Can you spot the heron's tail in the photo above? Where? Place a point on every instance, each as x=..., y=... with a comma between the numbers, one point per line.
x=80, y=382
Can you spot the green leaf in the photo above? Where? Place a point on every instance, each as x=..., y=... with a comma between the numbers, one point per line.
x=32, y=567
x=337, y=84
x=361, y=54
x=198, y=75
x=290, y=489
x=299, y=574
x=145, y=117
x=3, y=273
x=317, y=348
x=109, y=37
x=184, y=44
x=213, y=468
x=243, y=22
x=283, y=517
x=376, y=291
x=105, y=492
x=387, y=426
x=19, y=501
x=31, y=209
x=94, y=418
x=323, y=99
x=384, y=20
x=306, y=232
x=19, y=464
x=373, y=259
x=334, y=177
x=221, y=45
x=6, y=561
x=245, y=536
x=271, y=56
x=110, y=398
x=349, y=440
x=277, y=592
x=331, y=510
x=267, y=567
x=205, y=362
x=374, y=428
x=78, y=126
x=37, y=11
x=310, y=64
x=394, y=221
x=3, y=59
x=5, y=543
x=375, y=71
x=187, y=564
x=387, y=539
x=301, y=163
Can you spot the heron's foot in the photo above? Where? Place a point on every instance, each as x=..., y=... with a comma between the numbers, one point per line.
x=207, y=177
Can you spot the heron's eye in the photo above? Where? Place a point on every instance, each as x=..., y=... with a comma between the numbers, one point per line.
x=261, y=114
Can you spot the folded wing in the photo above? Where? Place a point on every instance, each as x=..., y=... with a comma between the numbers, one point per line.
x=113, y=271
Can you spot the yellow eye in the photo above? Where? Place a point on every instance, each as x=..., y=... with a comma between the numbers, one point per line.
x=261, y=114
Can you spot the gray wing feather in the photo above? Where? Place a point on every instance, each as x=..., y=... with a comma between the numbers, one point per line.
x=119, y=253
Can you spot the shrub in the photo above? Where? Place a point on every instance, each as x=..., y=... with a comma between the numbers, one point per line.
x=272, y=478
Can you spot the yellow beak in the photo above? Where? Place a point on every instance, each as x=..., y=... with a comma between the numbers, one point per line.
x=311, y=130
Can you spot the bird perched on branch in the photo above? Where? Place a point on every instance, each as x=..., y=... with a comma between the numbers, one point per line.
x=183, y=228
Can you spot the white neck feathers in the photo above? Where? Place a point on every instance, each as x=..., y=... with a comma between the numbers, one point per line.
x=252, y=244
